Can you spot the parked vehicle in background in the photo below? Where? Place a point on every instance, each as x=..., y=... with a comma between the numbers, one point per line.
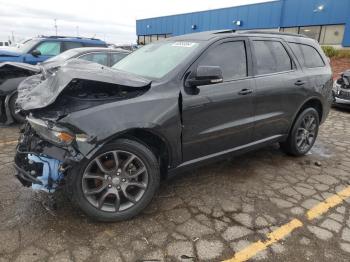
x=110, y=135
x=41, y=48
x=5, y=43
x=341, y=90
x=12, y=74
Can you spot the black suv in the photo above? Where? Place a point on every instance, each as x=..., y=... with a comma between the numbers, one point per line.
x=108, y=135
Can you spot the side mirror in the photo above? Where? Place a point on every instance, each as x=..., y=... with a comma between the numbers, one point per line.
x=36, y=53
x=206, y=75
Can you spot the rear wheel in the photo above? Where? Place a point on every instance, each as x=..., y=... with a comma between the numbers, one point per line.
x=17, y=116
x=303, y=134
x=117, y=183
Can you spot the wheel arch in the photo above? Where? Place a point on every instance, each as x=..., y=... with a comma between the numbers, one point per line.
x=313, y=102
x=153, y=140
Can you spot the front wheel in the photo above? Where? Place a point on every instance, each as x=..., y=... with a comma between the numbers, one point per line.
x=117, y=183
x=14, y=110
x=303, y=134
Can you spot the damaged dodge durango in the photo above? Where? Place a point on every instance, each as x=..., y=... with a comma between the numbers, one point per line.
x=107, y=136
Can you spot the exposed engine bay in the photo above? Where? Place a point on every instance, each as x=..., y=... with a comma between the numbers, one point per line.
x=38, y=163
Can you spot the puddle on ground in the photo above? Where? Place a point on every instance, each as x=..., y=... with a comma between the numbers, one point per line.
x=321, y=150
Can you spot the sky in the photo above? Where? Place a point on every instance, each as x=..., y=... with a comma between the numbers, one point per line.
x=111, y=20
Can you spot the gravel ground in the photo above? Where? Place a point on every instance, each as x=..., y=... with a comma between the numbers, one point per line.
x=207, y=214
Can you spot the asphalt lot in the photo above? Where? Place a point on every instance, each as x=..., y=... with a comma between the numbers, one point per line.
x=221, y=211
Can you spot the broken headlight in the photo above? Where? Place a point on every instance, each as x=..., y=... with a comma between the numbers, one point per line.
x=57, y=135
x=336, y=87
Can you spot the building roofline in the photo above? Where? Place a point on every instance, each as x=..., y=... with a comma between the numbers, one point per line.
x=203, y=11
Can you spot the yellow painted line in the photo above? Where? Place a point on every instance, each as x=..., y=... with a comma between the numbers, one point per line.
x=273, y=237
x=8, y=142
x=281, y=232
x=330, y=202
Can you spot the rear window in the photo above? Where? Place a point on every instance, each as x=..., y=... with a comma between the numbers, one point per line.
x=271, y=57
x=307, y=55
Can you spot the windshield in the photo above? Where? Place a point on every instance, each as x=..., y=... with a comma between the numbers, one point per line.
x=63, y=56
x=27, y=45
x=157, y=59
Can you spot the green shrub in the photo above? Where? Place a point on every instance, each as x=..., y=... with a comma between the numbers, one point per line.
x=330, y=51
x=343, y=53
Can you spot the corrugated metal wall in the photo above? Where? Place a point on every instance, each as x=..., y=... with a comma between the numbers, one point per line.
x=283, y=13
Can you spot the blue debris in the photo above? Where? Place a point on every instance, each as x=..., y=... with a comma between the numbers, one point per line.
x=50, y=172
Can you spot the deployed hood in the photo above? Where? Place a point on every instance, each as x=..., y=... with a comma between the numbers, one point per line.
x=42, y=90
x=12, y=73
x=8, y=67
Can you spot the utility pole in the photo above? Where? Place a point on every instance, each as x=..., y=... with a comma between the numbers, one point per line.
x=56, y=25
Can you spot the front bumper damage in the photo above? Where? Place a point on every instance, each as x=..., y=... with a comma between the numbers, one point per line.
x=40, y=164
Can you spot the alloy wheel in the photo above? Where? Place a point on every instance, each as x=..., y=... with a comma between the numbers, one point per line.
x=306, y=133
x=115, y=181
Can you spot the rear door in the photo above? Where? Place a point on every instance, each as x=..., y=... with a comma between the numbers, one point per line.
x=219, y=117
x=279, y=86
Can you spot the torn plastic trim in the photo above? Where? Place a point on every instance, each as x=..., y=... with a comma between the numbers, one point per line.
x=36, y=93
x=50, y=177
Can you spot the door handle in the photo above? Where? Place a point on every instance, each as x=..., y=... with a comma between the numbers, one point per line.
x=245, y=91
x=299, y=83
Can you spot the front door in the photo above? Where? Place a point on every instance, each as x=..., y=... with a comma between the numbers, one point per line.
x=47, y=50
x=219, y=117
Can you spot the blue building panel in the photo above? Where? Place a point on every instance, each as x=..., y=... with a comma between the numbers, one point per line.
x=275, y=14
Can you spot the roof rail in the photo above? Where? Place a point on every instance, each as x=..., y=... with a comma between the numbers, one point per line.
x=226, y=31
x=61, y=36
x=270, y=33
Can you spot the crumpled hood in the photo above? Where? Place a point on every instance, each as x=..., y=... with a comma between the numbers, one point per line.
x=7, y=67
x=41, y=90
x=9, y=52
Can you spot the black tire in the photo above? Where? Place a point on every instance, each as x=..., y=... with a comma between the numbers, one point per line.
x=18, y=117
x=292, y=145
x=121, y=146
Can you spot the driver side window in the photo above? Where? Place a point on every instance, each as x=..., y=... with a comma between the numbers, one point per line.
x=230, y=56
x=49, y=48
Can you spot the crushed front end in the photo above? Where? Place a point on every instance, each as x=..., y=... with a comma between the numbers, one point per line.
x=341, y=90
x=43, y=155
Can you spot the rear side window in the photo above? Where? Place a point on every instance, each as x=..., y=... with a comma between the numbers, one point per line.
x=116, y=57
x=307, y=55
x=230, y=56
x=271, y=57
x=71, y=45
x=100, y=58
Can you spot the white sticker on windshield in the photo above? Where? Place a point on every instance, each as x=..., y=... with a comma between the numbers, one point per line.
x=183, y=44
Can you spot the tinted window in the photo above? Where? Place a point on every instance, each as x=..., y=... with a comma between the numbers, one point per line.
x=100, y=58
x=230, y=56
x=115, y=57
x=307, y=55
x=71, y=45
x=1, y=44
x=271, y=57
x=49, y=48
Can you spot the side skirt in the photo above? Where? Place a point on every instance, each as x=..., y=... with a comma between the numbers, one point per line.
x=224, y=154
